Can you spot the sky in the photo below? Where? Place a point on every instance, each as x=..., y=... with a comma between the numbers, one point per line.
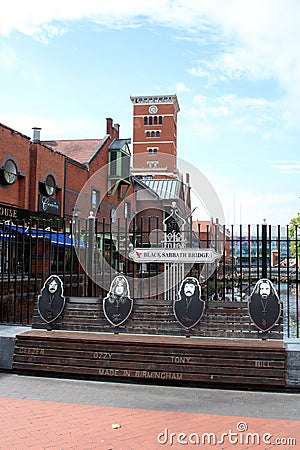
x=234, y=65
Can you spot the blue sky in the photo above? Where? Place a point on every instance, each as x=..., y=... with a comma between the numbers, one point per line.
x=234, y=65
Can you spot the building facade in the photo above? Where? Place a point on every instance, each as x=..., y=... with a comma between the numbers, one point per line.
x=42, y=179
x=155, y=136
x=45, y=184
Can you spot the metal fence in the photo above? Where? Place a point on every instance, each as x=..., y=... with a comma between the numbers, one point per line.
x=30, y=252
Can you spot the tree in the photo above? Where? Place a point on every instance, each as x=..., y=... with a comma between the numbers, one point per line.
x=294, y=235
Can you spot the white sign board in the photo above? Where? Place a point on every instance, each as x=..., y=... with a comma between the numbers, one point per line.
x=178, y=255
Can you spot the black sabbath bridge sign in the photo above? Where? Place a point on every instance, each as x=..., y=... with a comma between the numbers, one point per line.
x=180, y=255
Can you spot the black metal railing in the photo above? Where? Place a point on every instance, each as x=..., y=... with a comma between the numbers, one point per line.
x=30, y=252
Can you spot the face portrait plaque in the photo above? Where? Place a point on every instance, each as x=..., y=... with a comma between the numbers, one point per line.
x=117, y=305
x=189, y=309
x=264, y=305
x=51, y=300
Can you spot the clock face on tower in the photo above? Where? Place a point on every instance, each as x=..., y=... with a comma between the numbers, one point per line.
x=153, y=109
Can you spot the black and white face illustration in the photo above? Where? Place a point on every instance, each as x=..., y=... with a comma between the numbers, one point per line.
x=120, y=287
x=53, y=286
x=264, y=305
x=189, y=308
x=51, y=301
x=117, y=305
x=189, y=289
x=264, y=289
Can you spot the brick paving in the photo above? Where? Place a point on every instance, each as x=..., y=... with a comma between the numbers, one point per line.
x=38, y=425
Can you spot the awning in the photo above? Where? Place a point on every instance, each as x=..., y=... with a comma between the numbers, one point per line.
x=56, y=238
x=4, y=236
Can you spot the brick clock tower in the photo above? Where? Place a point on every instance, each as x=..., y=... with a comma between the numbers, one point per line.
x=155, y=136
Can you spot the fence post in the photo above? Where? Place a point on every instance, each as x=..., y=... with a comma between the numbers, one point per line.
x=90, y=261
x=264, y=263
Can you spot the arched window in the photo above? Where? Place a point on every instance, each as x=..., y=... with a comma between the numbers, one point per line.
x=145, y=120
x=160, y=120
x=158, y=134
x=150, y=120
x=147, y=133
x=50, y=185
x=10, y=172
x=155, y=120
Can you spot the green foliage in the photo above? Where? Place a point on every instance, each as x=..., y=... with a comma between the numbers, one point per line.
x=294, y=235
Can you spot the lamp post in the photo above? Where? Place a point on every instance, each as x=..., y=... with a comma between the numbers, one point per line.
x=90, y=249
x=264, y=265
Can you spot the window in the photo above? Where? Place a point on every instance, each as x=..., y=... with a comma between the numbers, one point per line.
x=152, y=165
x=152, y=151
x=127, y=210
x=95, y=199
x=113, y=163
x=152, y=120
x=152, y=133
x=119, y=159
x=10, y=172
x=50, y=185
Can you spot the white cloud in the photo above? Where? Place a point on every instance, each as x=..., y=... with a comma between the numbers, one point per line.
x=181, y=87
x=233, y=113
x=253, y=40
x=285, y=166
x=59, y=128
x=8, y=57
x=257, y=39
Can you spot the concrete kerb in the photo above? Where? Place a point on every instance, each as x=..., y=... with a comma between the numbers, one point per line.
x=292, y=346
x=7, y=344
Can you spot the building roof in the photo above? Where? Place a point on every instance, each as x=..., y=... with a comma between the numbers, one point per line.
x=156, y=99
x=81, y=150
x=119, y=144
x=141, y=183
x=166, y=189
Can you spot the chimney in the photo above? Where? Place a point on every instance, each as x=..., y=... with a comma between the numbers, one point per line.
x=116, y=130
x=109, y=126
x=36, y=134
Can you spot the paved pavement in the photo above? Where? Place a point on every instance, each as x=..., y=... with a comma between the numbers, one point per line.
x=59, y=414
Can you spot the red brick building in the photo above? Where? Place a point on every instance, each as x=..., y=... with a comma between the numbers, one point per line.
x=155, y=157
x=26, y=176
x=42, y=179
x=43, y=183
x=103, y=166
x=155, y=135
